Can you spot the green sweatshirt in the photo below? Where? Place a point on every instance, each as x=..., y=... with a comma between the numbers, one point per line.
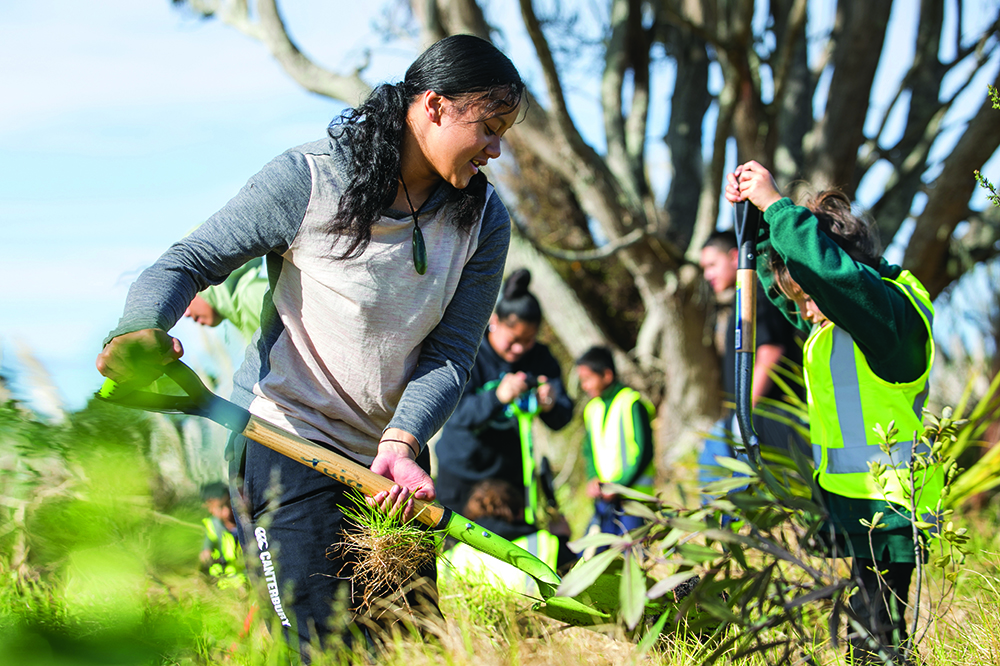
x=882, y=322
x=240, y=297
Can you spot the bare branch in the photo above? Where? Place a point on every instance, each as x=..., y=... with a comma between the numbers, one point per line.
x=440, y=18
x=626, y=138
x=612, y=82
x=553, y=85
x=947, y=201
x=788, y=45
x=860, y=35
x=350, y=89
x=699, y=29
x=612, y=248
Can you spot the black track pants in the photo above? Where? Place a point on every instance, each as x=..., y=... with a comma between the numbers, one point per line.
x=290, y=523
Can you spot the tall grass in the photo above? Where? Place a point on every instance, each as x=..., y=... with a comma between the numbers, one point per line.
x=99, y=566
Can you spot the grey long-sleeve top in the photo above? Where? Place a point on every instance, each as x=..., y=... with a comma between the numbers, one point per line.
x=346, y=348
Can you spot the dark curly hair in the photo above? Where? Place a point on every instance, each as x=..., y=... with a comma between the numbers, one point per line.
x=462, y=68
x=494, y=498
x=855, y=235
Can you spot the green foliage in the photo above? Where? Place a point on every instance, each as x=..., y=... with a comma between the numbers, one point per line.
x=993, y=197
x=81, y=542
x=766, y=584
x=983, y=474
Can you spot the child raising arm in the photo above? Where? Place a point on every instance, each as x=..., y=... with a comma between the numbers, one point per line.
x=866, y=363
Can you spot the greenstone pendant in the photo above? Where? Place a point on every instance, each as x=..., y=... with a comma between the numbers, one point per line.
x=419, y=250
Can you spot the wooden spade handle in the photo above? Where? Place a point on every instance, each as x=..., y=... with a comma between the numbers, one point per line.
x=335, y=466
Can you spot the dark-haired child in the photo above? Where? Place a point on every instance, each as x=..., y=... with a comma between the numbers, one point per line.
x=618, y=447
x=513, y=372
x=866, y=362
x=221, y=554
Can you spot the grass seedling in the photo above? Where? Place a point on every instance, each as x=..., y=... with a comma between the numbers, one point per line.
x=388, y=553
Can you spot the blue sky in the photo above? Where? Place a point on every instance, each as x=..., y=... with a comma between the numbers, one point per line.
x=127, y=122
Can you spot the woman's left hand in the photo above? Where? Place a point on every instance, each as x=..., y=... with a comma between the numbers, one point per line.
x=547, y=394
x=395, y=461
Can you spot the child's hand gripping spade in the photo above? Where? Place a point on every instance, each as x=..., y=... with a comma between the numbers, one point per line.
x=748, y=219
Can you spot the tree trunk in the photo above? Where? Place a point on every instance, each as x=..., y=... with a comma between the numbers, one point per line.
x=690, y=368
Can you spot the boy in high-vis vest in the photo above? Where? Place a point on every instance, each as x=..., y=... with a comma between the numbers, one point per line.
x=866, y=363
x=618, y=447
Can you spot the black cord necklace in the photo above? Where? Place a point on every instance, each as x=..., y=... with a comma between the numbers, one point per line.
x=419, y=247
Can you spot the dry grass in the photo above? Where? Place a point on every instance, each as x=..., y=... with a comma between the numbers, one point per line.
x=386, y=553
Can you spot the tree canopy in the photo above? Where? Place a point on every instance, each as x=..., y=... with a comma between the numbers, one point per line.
x=821, y=93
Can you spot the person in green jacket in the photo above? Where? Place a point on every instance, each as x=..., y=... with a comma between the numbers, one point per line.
x=866, y=362
x=618, y=447
x=238, y=299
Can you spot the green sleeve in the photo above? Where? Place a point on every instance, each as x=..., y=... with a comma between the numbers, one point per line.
x=588, y=457
x=880, y=319
x=239, y=298
x=644, y=438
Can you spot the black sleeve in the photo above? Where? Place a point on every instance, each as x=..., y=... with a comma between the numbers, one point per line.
x=476, y=406
x=562, y=412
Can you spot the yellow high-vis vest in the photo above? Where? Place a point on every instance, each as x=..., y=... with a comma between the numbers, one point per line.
x=464, y=561
x=227, y=556
x=847, y=400
x=612, y=438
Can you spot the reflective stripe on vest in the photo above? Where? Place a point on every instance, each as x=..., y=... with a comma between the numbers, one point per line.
x=226, y=551
x=612, y=438
x=466, y=562
x=847, y=400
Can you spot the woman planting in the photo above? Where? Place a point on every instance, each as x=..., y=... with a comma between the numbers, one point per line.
x=384, y=245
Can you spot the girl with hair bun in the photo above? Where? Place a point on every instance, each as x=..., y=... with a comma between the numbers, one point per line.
x=513, y=373
x=385, y=246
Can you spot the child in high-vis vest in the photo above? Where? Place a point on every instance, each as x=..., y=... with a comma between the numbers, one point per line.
x=866, y=363
x=221, y=555
x=618, y=447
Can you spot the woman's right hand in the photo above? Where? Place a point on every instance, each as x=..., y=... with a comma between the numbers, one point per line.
x=138, y=356
x=511, y=385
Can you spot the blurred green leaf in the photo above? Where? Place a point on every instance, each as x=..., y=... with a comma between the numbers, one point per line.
x=723, y=486
x=586, y=572
x=628, y=493
x=697, y=553
x=598, y=540
x=632, y=508
x=737, y=466
x=632, y=591
x=668, y=584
